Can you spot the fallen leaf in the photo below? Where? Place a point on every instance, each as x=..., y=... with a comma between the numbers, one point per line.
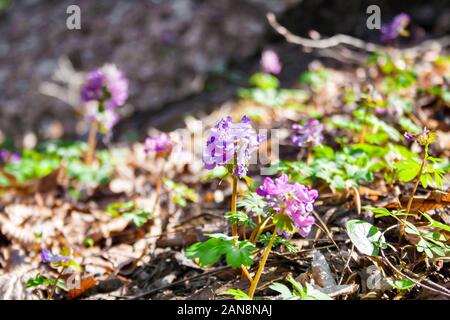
x=85, y=284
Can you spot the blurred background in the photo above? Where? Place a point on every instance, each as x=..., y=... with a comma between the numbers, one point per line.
x=181, y=56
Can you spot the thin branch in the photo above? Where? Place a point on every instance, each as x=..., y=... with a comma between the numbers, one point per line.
x=342, y=39
x=441, y=290
x=322, y=43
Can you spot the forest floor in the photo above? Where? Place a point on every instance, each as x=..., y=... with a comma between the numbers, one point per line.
x=128, y=229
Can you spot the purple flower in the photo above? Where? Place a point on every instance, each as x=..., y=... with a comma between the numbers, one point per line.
x=107, y=118
x=413, y=137
x=309, y=133
x=295, y=200
x=270, y=62
x=48, y=257
x=229, y=142
x=274, y=188
x=302, y=222
x=161, y=144
x=396, y=28
x=93, y=88
x=106, y=85
x=7, y=156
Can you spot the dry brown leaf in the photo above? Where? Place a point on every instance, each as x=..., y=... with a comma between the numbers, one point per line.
x=85, y=284
x=13, y=285
x=365, y=191
x=434, y=200
x=16, y=233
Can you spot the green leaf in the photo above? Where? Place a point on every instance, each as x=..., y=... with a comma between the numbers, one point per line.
x=208, y=252
x=240, y=254
x=408, y=125
x=264, y=81
x=74, y=265
x=411, y=229
x=315, y=294
x=366, y=237
x=285, y=292
x=283, y=222
x=408, y=169
x=180, y=193
x=236, y=294
x=88, y=242
x=40, y=280
x=218, y=172
x=403, y=284
x=307, y=292
x=130, y=211
x=253, y=203
x=323, y=152
x=237, y=253
x=436, y=224
x=240, y=217
x=265, y=239
x=379, y=212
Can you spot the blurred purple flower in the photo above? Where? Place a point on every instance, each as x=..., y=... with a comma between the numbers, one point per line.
x=311, y=132
x=48, y=257
x=93, y=88
x=161, y=144
x=296, y=200
x=414, y=137
x=106, y=85
x=396, y=28
x=228, y=140
x=107, y=118
x=7, y=156
x=270, y=62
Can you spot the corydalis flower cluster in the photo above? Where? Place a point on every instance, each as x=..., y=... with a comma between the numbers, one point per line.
x=294, y=200
x=309, y=133
x=396, y=28
x=423, y=138
x=231, y=143
x=105, y=89
x=161, y=144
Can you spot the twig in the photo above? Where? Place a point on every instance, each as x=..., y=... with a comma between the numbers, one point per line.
x=322, y=43
x=346, y=40
x=327, y=231
x=445, y=292
x=347, y=264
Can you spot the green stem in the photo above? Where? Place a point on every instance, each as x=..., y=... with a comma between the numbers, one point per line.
x=422, y=166
x=411, y=197
x=255, y=281
x=257, y=232
x=233, y=205
x=158, y=186
x=52, y=292
x=92, y=142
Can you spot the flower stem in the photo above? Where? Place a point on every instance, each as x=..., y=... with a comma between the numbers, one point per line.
x=258, y=231
x=255, y=281
x=234, y=232
x=92, y=142
x=158, y=187
x=411, y=197
x=422, y=166
x=246, y=273
x=52, y=292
